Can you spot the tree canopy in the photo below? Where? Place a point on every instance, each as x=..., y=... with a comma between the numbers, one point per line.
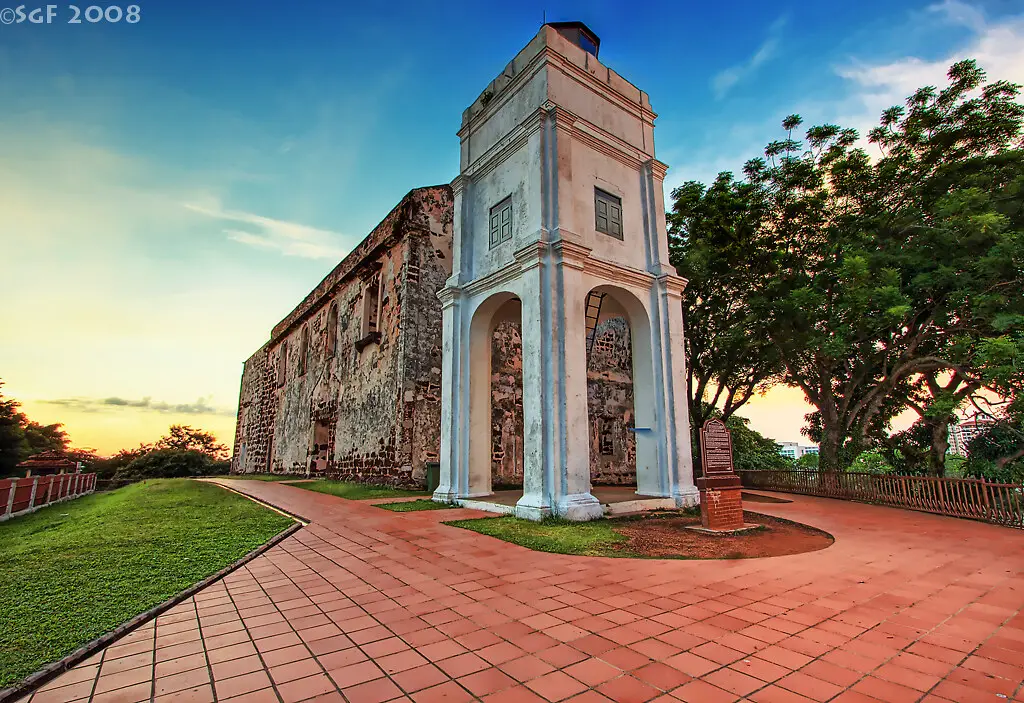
x=876, y=284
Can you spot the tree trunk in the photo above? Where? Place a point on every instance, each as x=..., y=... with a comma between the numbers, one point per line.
x=939, y=447
x=829, y=449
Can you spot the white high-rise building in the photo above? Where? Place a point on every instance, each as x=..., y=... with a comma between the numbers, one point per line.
x=961, y=434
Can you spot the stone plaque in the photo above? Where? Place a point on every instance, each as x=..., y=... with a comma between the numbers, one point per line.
x=716, y=448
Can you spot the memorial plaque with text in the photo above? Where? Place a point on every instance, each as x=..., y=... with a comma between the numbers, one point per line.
x=716, y=448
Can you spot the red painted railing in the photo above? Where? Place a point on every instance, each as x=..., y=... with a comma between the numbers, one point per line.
x=977, y=499
x=19, y=496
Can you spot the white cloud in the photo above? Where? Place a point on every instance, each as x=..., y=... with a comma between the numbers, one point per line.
x=997, y=46
x=723, y=81
x=288, y=238
x=868, y=87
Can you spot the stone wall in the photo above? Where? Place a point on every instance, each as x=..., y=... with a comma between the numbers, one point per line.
x=610, y=405
x=257, y=412
x=609, y=400
x=339, y=389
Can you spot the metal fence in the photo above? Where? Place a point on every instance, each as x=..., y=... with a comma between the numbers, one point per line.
x=977, y=499
x=19, y=496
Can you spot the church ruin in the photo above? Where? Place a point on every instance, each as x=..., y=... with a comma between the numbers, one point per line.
x=559, y=363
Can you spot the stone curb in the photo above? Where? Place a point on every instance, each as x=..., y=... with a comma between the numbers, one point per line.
x=52, y=671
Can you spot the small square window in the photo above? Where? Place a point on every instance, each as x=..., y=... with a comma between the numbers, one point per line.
x=608, y=211
x=501, y=222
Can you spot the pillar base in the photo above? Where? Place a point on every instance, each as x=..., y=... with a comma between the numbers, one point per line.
x=687, y=497
x=580, y=507
x=444, y=495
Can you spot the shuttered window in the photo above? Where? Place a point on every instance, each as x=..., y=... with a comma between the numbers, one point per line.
x=501, y=222
x=608, y=210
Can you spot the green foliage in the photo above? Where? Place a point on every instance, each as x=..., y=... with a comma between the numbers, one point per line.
x=806, y=462
x=357, y=491
x=874, y=279
x=21, y=438
x=410, y=506
x=185, y=438
x=998, y=453
x=871, y=462
x=77, y=570
x=172, y=463
x=711, y=236
x=751, y=450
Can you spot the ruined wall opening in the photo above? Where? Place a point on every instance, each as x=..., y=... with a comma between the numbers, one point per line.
x=507, y=405
x=496, y=399
x=620, y=381
x=320, y=448
x=610, y=414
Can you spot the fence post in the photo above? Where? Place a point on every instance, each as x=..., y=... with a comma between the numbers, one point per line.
x=32, y=493
x=10, y=498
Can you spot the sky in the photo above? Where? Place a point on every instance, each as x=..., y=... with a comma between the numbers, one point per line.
x=171, y=188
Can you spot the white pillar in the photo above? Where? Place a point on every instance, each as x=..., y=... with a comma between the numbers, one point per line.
x=451, y=382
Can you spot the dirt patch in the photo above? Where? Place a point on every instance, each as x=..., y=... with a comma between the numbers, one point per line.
x=758, y=498
x=666, y=537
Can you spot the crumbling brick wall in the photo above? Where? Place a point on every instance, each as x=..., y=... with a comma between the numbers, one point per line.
x=507, y=405
x=428, y=264
x=254, y=428
x=340, y=408
x=610, y=405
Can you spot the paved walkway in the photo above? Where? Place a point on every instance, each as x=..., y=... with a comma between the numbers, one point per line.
x=367, y=605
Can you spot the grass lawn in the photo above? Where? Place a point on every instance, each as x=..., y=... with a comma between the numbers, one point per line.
x=75, y=570
x=411, y=506
x=357, y=491
x=596, y=538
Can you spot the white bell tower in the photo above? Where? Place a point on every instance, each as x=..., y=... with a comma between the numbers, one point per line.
x=560, y=216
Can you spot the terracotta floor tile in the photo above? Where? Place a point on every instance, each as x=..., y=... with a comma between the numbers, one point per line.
x=555, y=686
x=703, y=692
x=526, y=668
x=181, y=682
x=412, y=680
x=486, y=682
x=244, y=684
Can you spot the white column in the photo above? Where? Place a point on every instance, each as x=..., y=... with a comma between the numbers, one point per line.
x=574, y=501
x=680, y=456
x=451, y=365
x=535, y=504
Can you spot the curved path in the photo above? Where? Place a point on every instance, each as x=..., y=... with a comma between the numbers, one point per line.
x=368, y=605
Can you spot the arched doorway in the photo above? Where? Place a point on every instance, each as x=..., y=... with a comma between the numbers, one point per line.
x=620, y=385
x=495, y=397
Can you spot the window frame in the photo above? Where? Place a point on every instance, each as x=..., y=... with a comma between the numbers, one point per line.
x=496, y=225
x=609, y=200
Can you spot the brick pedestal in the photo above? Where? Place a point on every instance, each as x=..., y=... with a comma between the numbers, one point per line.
x=721, y=505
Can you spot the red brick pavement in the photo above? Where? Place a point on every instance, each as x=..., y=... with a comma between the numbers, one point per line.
x=367, y=605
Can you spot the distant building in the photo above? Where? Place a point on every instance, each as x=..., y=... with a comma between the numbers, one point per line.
x=794, y=450
x=961, y=434
x=47, y=463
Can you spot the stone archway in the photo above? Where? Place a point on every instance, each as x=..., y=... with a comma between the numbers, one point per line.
x=500, y=307
x=619, y=302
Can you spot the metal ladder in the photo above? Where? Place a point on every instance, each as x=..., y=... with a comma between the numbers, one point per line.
x=593, y=313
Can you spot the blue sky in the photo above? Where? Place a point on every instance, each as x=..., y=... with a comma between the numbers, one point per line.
x=169, y=189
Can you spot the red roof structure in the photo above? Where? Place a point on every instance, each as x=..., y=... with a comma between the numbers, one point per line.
x=46, y=463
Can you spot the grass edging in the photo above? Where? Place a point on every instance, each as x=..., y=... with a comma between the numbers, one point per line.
x=55, y=669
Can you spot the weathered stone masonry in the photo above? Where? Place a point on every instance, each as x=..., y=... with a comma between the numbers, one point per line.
x=349, y=383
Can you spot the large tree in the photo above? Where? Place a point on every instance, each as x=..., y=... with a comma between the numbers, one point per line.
x=886, y=269
x=711, y=235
